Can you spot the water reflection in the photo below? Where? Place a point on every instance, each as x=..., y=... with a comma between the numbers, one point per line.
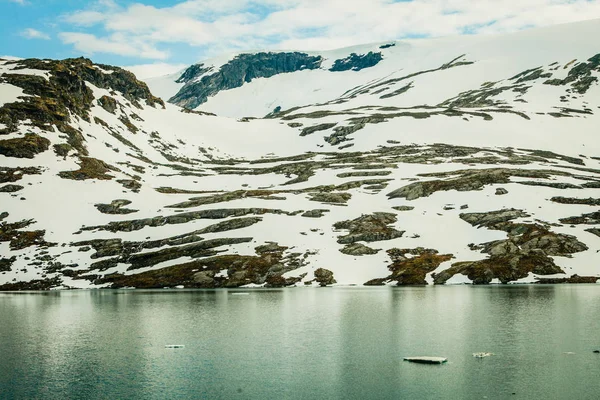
x=345, y=343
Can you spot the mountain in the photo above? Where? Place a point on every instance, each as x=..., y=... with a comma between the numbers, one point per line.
x=452, y=160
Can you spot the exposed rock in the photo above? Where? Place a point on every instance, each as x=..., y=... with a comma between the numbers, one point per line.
x=585, y=219
x=580, y=76
x=10, y=188
x=572, y=279
x=594, y=231
x=26, y=147
x=193, y=72
x=403, y=208
x=202, y=273
x=573, y=200
x=108, y=103
x=363, y=173
x=227, y=196
x=467, y=180
x=115, y=207
x=356, y=62
x=36, y=284
x=19, y=239
x=6, y=263
x=312, y=129
x=369, y=228
x=528, y=249
x=358, y=249
x=89, y=168
x=324, y=277
x=181, y=218
x=314, y=213
x=242, y=69
x=506, y=268
x=330, y=198
x=493, y=219
x=16, y=174
x=501, y=191
x=410, y=266
x=130, y=184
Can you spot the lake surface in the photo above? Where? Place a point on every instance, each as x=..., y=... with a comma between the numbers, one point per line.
x=302, y=343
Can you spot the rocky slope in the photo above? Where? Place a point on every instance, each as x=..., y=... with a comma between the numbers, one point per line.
x=403, y=163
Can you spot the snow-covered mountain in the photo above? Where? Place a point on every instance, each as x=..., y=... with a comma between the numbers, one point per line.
x=465, y=159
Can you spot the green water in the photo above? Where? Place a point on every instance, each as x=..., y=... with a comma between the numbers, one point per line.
x=303, y=343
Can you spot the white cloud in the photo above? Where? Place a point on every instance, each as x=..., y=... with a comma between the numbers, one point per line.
x=22, y=2
x=144, y=71
x=231, y=25
x=31, y=33
x=115, y=44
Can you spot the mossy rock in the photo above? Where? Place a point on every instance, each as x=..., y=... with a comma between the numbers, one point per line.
x=26, y=147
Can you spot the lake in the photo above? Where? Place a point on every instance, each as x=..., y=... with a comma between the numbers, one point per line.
x=302, y=343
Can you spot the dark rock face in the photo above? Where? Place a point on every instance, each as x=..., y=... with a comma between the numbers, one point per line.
x=10, y=188
x=501, y=191
x=314, y=213
x=115, y=207
x=573, y=279
x=526, y=250
x=51, y=102
x=242, y=69
x=358, y=249
x=18, y=238
x=410, y=266
x=585, y=219
x=267, y=267
x=324, y=277
x=108, y=103
x=6, y=263
x=89, y=168
x=467, y=180
x=572, y=200
x=580, y=76
x=369, y=228
x=192, y=72
x=26, y=147
x=356, y=62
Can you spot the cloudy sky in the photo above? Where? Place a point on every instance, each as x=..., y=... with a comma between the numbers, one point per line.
x=171, y=33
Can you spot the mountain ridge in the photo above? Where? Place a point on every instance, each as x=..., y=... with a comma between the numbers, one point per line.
x=399, y=170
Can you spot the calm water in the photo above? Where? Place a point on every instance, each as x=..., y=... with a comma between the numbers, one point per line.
x=330, y=343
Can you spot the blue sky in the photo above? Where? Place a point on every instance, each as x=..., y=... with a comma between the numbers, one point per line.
x=166, y=34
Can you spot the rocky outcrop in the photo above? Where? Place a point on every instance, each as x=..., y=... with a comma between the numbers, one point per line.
x=467, y=180
x=266, y=268
x=193, y=72
x=242, y=69
x=369, y=228
x=572, y=279
x=314, y=213
x=324, y=277
x=6, y=263
x=585, y=219
x=18, y=238
x=330, y=198
x=89, y=168
x=356, y=62
x=358, y=249
x=115, y=207
x=528, y=249
x=10, y=188
x=108, y=103
x=410, y=266
x=27, y=146
x=580, y=77
x=573, y=200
